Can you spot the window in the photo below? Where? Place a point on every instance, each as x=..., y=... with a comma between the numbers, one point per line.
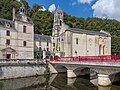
x=47, y=49
x=103, y=49
x=59, y=48
x=24, y=29
x=8, y=24
x=8, y=33
x=47, y=44
x=40, y=49
x=100, y=49
x=60, y=23
x=58, y=15
x=76, y=40
x=53, y=49
x=24, y=43
x=53, y=44
x=7, y=41
x=39, y=43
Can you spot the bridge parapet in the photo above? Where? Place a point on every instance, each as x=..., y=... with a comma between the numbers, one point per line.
x=107, y=58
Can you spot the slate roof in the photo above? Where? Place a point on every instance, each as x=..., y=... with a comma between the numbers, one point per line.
x=42, y=37
x=88, y=32
x=19, y=17
x=7, y=23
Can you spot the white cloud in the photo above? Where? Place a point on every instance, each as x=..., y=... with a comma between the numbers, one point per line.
x=107, y=9
x=43, y=9
x=85, y=1
x=52, y=8
x=74, y=3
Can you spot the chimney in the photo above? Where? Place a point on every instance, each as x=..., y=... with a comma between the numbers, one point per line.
x=13, y=13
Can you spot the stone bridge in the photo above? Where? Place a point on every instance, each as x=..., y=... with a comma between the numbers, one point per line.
x=106, y=67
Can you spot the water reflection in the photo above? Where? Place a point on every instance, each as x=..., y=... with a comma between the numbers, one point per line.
x=104, y=88
x=54, y=82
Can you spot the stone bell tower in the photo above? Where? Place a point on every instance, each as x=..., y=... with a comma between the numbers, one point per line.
x=57, y=26
x=58, y=22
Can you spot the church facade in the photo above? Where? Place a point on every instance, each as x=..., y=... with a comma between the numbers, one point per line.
x=17, y=37
x=78, y=42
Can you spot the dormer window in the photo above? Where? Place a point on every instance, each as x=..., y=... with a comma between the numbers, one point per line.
x=24, y=29
x=7, y=24
x=21, y=10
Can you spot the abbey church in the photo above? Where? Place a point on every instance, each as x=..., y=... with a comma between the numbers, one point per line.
x=66, y=41
x=18, y=41
x=78, y=42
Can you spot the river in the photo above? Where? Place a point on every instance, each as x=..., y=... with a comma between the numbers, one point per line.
x=54, y=82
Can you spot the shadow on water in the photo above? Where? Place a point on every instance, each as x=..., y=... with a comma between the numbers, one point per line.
x=53, y=82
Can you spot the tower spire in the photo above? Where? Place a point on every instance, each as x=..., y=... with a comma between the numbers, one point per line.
x=59, y=9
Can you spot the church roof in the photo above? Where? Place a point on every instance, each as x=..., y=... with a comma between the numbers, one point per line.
x=88, y=32
x=7, y=23
x=42, y=37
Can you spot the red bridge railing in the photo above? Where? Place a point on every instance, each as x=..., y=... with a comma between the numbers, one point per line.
x=107, y=58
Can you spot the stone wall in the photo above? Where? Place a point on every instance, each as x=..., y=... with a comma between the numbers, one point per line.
x=88, y=45
x=25, y=52
x=17, y=71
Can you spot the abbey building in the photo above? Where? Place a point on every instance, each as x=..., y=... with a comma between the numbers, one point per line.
x=18, y=41
x=17, y=37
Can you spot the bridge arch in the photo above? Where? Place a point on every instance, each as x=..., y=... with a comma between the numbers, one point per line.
x=60, y=68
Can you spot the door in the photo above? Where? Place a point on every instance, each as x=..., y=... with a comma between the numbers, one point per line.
x=8, y=56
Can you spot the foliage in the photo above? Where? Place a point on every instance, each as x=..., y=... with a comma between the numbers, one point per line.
x=116, y=45
x=43, y=21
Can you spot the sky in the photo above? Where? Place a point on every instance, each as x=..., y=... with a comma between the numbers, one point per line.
x=83, y=8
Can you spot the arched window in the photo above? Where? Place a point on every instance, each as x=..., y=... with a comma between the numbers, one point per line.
x=100, y=50
x=103, y=49
x=60, y=23
x=24, y=43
